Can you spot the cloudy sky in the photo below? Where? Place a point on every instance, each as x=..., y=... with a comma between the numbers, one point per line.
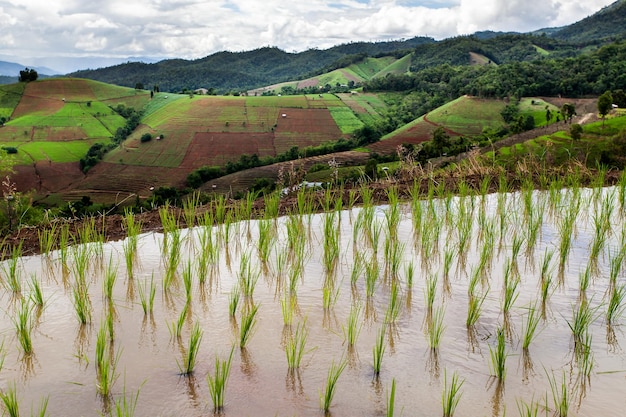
x=33, y=29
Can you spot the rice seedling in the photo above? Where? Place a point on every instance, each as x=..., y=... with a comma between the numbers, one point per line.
x=474, y=309
x=358, y=267
x=353, y=326
x=409, y=274
x=371, y=276
x=295, y=346
x=615, y=306
x=584, y=279
x=430, y=292
x=248, y=276
x=394, y=306
x=23, y=326
x=331, y=241
x=218, y=381
x=82, y=303
x=585, y=359
x=81, y=255
x=106, y=375
x=616, y=261
x=36, y=294
x=266, y=239
x=561, y=397
x=498, y=356
x=511, y=282
x=189, y=358
x=448, y=257
x=451, y=393
x=391, y=399
x=11, y=403
x=330, y=293
x=392, y=214
x=530, y=326
x=125, y=405
x=108, y=284
x=176, y=328
x=582, y=317
x=272, y=203
x=47, y=239
x=10, y=268
x=146, y=295
x=172, y=259
x=64, y=244
x=248, y=322
x=233, y=300
x=379, y=350
x=516, y=247
x=436, y=327
x=187, y=281
x=394, y=257
x=528, y=409
x=334, y=372
x=101, y=346
x=190, y=207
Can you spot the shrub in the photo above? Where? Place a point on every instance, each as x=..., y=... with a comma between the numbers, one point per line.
x=146, y=137
x=10, y=149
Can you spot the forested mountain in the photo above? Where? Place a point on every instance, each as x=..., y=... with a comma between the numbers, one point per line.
x=238, y=71
x=605, y=25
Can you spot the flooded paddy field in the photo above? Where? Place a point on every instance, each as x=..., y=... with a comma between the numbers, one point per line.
x=516, y=296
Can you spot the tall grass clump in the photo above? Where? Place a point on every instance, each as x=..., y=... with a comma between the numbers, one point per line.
x=334, y=372
x=218, y=381
x=189, y=358
x=451, y=394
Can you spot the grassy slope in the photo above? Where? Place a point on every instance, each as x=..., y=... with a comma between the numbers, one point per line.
x=59, y=119
x=179, y=119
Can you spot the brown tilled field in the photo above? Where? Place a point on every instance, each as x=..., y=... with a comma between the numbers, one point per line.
x=219, y=148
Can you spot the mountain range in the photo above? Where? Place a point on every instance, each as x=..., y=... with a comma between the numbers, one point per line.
x=238, y=71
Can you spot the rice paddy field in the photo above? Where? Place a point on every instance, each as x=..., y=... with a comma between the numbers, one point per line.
x=470, y=305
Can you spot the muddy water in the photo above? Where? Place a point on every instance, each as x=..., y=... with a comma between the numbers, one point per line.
x=63, y=363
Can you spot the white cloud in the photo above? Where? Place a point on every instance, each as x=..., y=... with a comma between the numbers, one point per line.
x=196, y=28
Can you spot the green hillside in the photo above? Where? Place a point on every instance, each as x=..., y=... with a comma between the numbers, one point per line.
x=58, y=120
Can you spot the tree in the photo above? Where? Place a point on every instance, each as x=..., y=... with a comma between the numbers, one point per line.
x=549, y=115
x=568, y=111
x=576, y=131
x=605, y=104
x=27, y=75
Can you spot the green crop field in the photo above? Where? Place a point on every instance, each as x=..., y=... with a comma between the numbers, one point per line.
x=70, y=151
x=10, y=96
x=345, y=119
x=468, y=115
